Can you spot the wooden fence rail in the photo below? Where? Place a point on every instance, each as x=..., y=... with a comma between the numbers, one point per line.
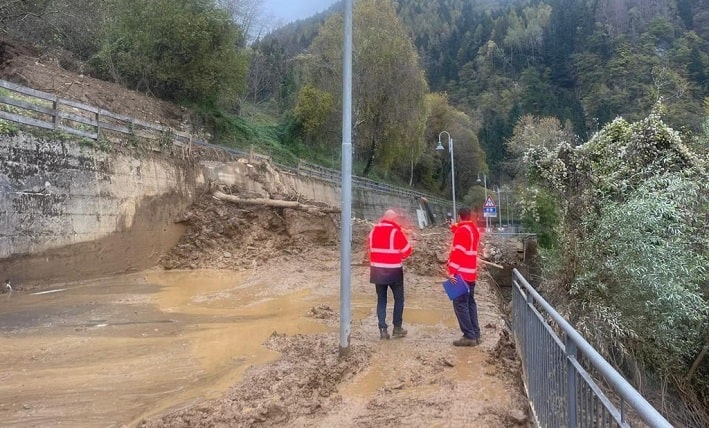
x=48, y=111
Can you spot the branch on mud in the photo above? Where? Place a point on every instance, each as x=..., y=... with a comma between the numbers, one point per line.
x=313, y=209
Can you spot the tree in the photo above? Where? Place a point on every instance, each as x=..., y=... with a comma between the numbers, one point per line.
x=268, y=68
x=247, y=14
x=388, y=85
x=312, y=109
x=176, y=49
x=530, y=132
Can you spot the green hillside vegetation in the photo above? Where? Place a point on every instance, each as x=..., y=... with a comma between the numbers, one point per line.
x=591, y=116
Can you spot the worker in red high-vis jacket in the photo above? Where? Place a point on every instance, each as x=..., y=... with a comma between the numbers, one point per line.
x=388, y=247
x=463, y=261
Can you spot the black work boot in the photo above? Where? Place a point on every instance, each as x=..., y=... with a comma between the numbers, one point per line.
x=383, y=334
x=464, y=341
x=399, y=332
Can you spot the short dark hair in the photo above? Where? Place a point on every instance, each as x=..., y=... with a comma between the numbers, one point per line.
x=464, y=213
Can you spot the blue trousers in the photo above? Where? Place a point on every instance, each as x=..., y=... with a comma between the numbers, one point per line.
x=397, y=290
x=466, y=310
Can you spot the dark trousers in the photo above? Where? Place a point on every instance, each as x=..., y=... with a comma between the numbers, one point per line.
x=466, y=310
x=397, y=290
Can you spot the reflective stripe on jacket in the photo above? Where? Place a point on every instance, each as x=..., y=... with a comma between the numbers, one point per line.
x=463, y=258
x=388, y=245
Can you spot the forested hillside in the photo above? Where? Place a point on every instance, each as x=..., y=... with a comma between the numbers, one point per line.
x=584, y=62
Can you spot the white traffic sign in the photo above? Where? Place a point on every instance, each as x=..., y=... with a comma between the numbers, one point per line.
x=489, y=209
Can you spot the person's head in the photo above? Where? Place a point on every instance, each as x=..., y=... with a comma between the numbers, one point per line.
x=464, y=214
x=390, y=215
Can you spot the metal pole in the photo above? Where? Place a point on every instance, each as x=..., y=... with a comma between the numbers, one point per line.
x=499, y=206
x=487, y=219
x=571, y=388
x=507, y=204
x=346, y=208
x=450, y=147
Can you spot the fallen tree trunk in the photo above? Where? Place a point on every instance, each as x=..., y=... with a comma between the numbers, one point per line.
x=313, y=209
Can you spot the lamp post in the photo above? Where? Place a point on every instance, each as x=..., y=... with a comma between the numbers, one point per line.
x=507, y=201
x=484, y=180
x=450, y=149
x=499, y=204
x=346, y=201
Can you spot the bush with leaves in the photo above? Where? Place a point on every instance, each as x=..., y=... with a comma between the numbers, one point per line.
x=176, y=49
x=634, y=244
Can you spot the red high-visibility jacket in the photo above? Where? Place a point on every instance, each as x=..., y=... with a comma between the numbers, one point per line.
x=388, y=245
x=463, y=258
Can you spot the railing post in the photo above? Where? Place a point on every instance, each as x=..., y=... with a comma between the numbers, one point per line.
x=98, y=125
x=55, y=112
x=571, y=355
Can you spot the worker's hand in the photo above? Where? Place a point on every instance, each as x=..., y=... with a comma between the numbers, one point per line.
x=453, y=279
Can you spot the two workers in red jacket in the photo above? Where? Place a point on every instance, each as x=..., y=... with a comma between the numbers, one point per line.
x=389, y=246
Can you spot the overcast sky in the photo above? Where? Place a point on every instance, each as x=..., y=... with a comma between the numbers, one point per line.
x=292, y=10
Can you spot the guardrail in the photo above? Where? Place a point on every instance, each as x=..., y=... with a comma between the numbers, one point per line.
x=557, y=370
x=334, y=176
x=43, y=110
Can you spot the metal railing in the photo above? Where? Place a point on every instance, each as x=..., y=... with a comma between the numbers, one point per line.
x=561, y=374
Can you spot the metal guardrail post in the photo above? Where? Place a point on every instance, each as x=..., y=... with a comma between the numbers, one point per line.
x=571, y=353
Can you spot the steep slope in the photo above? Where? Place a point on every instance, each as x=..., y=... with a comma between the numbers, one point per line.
x=22, y=65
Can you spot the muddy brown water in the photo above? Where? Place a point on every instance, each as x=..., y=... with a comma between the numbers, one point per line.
x=110, y=352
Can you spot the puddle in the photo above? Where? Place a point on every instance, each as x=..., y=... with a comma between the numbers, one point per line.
x=141, y=343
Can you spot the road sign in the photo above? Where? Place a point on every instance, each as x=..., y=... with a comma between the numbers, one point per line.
x=489, y=209
x=489, y=212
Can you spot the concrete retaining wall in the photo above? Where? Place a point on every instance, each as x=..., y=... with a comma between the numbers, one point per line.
x=58, y=193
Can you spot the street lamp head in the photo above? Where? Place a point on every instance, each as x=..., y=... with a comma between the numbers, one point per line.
x=440, y=146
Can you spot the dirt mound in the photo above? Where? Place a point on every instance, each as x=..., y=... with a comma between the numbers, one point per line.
x=225, y=235
x=430, y=252
x=306, y=378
